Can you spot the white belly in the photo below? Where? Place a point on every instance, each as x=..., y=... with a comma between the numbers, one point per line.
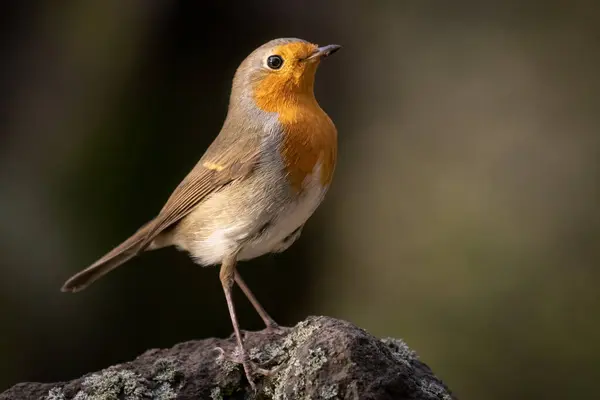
x=289, y=219
x=286, y=218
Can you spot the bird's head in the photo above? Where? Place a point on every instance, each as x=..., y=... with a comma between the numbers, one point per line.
x=280, y=72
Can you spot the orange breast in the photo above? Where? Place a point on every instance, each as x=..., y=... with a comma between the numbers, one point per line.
x=310, y=137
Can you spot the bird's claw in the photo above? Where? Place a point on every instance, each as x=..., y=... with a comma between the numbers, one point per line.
x=250, y=368
x=274, y=327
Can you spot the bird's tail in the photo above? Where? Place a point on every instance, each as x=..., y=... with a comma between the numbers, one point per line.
x=117, y=256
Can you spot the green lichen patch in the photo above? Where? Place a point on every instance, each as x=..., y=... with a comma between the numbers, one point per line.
x=226, y=364
x=434, y=390
x=297, y=369
x=229, y=377
x=166, y=370
x=329, y=391
x=269, y=353
x=316, y=360
x=56, y=393
x=400, y=350
x=215, y=394
x=115, y=384
x=164, y=392
x=169, y=378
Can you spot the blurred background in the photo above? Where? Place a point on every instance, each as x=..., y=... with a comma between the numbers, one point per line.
x=463, y=217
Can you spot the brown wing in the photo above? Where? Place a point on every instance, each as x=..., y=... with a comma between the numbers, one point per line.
x=225, y=160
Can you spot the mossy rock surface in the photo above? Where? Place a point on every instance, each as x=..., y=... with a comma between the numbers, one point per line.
x=320, y=358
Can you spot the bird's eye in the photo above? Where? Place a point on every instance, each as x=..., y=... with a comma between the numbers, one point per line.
x=274, y=62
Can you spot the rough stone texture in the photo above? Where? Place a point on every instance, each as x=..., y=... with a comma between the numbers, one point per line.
x=320, y=358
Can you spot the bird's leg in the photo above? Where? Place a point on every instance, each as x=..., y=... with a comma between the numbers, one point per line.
x=269, y=322
x=227, y=275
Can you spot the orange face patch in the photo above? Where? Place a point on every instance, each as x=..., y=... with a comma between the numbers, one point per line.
x=310, y=136
x=295, y=70
x=296, y=77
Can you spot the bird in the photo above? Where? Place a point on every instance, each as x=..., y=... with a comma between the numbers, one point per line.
x=257, y=183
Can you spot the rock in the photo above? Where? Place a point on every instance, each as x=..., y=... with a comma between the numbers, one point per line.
x=320, y=358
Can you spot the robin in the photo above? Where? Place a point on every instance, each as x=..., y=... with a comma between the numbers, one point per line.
x=256, y=185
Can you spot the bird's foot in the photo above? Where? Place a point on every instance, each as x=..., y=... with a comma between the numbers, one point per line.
x=274, y=327
x=271, y=327
x=250, y=368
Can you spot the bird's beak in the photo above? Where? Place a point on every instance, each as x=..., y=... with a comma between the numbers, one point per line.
x=324, y=51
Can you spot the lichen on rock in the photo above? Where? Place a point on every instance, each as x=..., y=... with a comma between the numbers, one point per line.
x=319, y=358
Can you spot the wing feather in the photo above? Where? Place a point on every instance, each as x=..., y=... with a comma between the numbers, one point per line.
x=216, y=169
